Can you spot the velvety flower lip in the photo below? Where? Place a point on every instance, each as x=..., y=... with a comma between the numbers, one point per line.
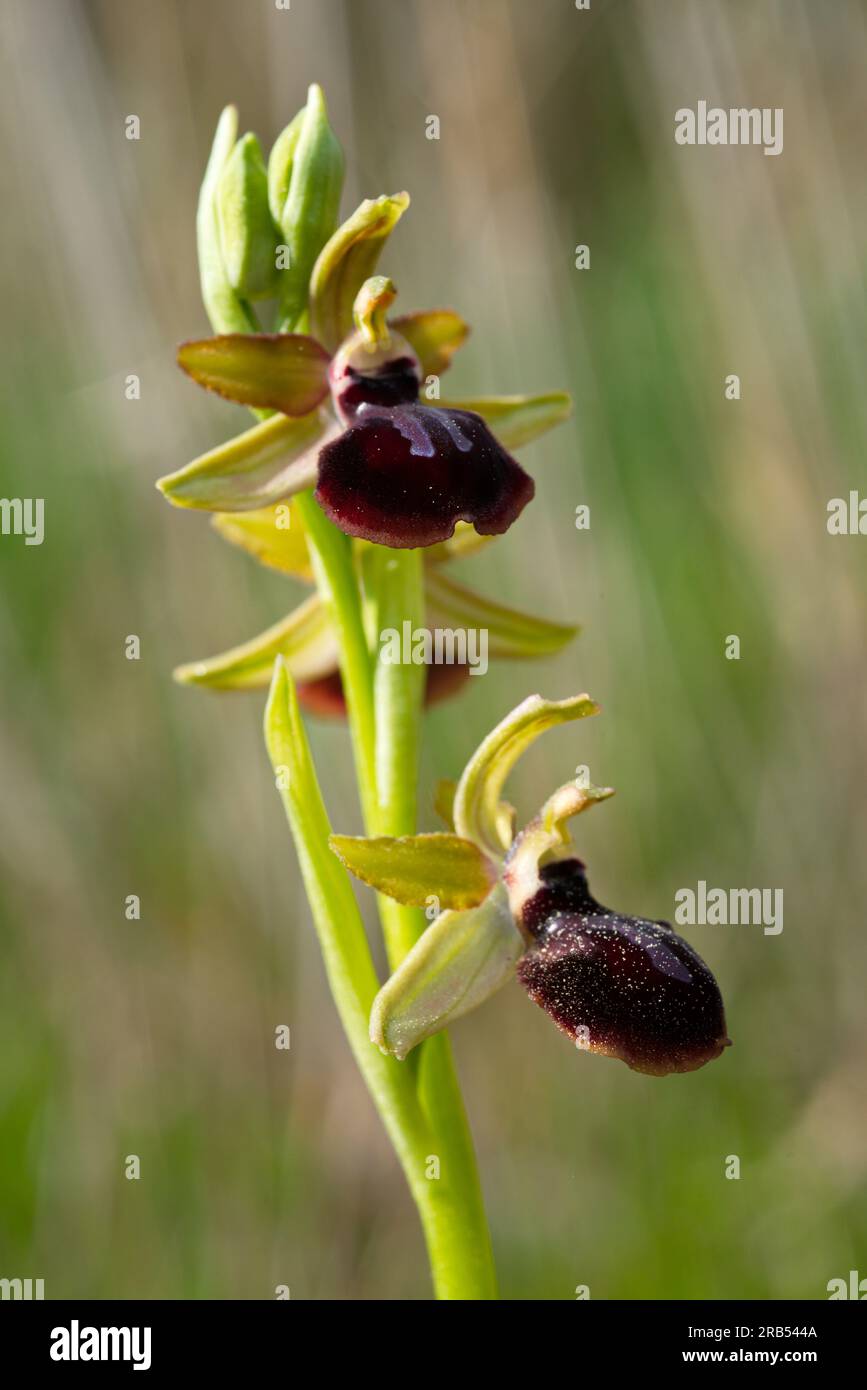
x=622, y=986
x=403, y=476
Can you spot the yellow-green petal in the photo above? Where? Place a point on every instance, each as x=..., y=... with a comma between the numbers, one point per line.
x=434, y=336
x=274, y=535
x=412, y=869
x=346, y=261
x=305, y=640
x=270, y=371
x=511, y=634
x=516, y=420
x=265, y=464
x=478, y=809
x=458, y=963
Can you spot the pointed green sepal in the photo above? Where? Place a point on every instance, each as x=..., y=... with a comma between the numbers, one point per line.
x=248, y=236
x=478, y=809
x=274, y=535
x=344, y=264
x=434, y=336
x=265, y=464
x=270, y=371
x=516, y=420
x=305, y=640
x=459, y=962
x=511, y=634
x=415, y=868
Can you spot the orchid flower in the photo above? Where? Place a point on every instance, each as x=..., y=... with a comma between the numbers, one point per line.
x=519, y=905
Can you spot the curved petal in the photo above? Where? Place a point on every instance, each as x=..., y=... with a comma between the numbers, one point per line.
x=305, y=640
x=346, y=261
x=274, y=535
x=477, y=807
x=516, y=420
x=403, y=477
x=434, y=336
x=265, y=464
x=271, y=371
x=510, y=634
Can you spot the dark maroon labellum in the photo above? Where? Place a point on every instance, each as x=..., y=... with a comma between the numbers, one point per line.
x=404, y=476
x=622, y=986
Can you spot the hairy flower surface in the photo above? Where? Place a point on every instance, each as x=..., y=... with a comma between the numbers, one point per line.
x=622, y=986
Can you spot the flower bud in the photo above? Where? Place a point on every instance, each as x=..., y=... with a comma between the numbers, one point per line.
x=248, y=236
x=305, y=178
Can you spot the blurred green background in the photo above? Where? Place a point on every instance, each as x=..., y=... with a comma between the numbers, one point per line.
x=708, y=518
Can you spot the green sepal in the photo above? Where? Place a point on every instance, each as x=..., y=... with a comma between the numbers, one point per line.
x=516, y=420
x=248, y=236
x=344, y=264
x=265, y=464
x=412, y=869
x=304, y=639
x=274, y=535
x=459, y=962
x=269, y=371
x=478, y=809
x=511, y=634
x=434, y=336
x=225, y=308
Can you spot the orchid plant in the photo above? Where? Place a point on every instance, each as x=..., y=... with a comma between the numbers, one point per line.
x=359, y=480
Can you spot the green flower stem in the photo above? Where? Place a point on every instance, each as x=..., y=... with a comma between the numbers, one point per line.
x=396, y=582
x=459, y=1264
x=331, y=556
x=396, y=578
